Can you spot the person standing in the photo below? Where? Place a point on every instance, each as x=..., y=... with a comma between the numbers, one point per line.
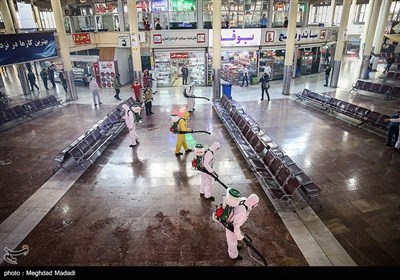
x=263, y=21
x=286, y=22
x=181, y=141
x=95, y=89
x=189, y=90
x=146, y=78
x=234, y=234
x=264, y=86
x=185, y=73
x=51, y=75
x=44, y=75
x=208, y=165
x=327, y=73
x=130, y=123
x=268, y=69
x=148, y=100
x=117, y=86
x=393, y=130
x=397, y=143
x=389, y=61
x=63, y=80
x=137, y=89
x=158, y=24
x=245, y=76
x=32, y=80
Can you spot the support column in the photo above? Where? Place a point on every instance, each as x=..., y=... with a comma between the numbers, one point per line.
x=333, y=7
x=270, y=13
x=71, y=93
x=291, y=30
x=14, y=17
x=121, y=15
x=200, y=11
x=368, y=39
x=10, y=28
x=378, y=39
x=37, y=18
x=366, y=26
x=216, y=49
x=135, y=45
x=340, y=43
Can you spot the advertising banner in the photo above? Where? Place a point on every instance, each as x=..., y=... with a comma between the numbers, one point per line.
x=25, y=47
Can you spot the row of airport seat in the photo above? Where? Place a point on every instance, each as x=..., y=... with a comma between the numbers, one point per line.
x=365, y=116
x=389, y=91
x=276, y=171
x=26, y=110
x=87, y=148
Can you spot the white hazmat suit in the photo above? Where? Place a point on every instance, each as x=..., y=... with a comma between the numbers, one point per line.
x=208, y=163
x=130, y=123
x=95, y=89
x=240, y=215
x=190, y=99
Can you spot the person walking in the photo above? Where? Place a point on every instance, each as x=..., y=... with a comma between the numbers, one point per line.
x=208, y=165
x=146, y=78
x=181, y=141
x=51, y=75
x=44, y=75
x=95, y=89
x=131, y=124
x=32, y=80
x=393, y=130
x=397, y=143
x=185, y=73
x=327, y=73
x=137, y=89
x=63, y=80
x=117, y=86
x=233, y=233
x=245, y=76
x=264, y=85
x=148, y=101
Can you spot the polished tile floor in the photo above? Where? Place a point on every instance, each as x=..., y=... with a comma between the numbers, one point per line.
x=141, y=206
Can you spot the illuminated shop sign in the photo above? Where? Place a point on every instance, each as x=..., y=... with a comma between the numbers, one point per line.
x=82, y=38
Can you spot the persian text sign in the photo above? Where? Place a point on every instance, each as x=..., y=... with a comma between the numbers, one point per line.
x=82, y=38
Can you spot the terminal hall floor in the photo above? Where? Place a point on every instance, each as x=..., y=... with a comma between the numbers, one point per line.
x=141, y=207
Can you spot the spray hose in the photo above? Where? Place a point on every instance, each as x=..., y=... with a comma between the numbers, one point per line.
x=194, y=96
x=194, y=131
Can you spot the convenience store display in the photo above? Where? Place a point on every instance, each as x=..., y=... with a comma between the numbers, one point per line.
x=162, y=62
x=197, y=68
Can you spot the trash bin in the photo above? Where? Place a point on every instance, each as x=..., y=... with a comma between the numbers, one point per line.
x=227, y=90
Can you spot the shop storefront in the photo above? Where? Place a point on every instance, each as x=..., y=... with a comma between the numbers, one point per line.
x=314, y=48
x=239, y=49
x=174, y=49
x=168, y=66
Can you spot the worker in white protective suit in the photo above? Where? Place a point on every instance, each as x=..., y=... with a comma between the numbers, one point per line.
x=189, y=89
x=240, y=215
x=95, y=90
x=130, y=123
x=208, y=163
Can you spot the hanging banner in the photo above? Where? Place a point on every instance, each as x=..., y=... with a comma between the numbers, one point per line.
x=25, y=47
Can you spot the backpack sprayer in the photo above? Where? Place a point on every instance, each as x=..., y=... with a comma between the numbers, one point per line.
x=224, y=212
x=174, y=120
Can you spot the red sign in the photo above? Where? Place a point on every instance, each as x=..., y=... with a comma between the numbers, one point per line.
x=179, y=55
x=82, y=38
